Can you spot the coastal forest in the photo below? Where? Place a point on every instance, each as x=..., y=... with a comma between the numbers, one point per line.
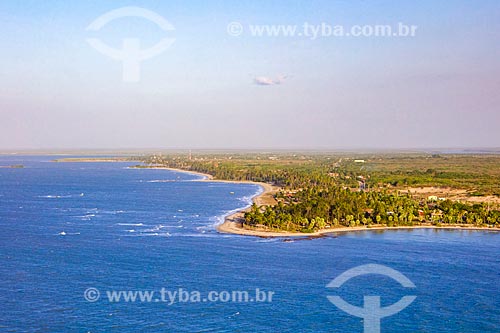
x=319, y=191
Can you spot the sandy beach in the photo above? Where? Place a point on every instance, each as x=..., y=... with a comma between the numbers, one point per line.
x=234, y=225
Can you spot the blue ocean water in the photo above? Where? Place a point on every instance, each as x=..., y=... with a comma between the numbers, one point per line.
x=67, y=227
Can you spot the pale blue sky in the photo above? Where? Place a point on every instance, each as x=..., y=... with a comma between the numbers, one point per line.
x=437, y=89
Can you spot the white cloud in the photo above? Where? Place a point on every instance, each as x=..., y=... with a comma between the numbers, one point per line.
x=268, y=81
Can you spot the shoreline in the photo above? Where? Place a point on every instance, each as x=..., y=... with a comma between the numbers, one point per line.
x=264, y=198
x=233, y=223
x=205, y=176
x=267, y=189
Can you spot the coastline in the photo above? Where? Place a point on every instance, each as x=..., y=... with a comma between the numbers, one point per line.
x=205, y=176
x=263, y=198
x=266, y=197
x=233, y=223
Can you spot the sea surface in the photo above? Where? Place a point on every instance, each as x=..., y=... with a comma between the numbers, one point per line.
x=68, y=227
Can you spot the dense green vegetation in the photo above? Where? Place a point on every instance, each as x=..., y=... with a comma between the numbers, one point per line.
x=312, y=209
x=321, y=191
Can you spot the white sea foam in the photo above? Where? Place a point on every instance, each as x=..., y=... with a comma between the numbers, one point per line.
x=204, y=228
x=112, y=212
x=199, y=177
x=235, y=314
x=63, y=233
x=268, y=240
x=54, y=196
x=132, y=224
x=156, y=228
x=161, y=181
x=172, y=226
x=147, y=234
x=248, y=200
x=86, y=217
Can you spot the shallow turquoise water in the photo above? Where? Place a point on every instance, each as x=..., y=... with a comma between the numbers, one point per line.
x=66, y=227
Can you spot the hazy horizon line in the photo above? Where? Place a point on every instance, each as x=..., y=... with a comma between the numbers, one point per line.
x=69, y=151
